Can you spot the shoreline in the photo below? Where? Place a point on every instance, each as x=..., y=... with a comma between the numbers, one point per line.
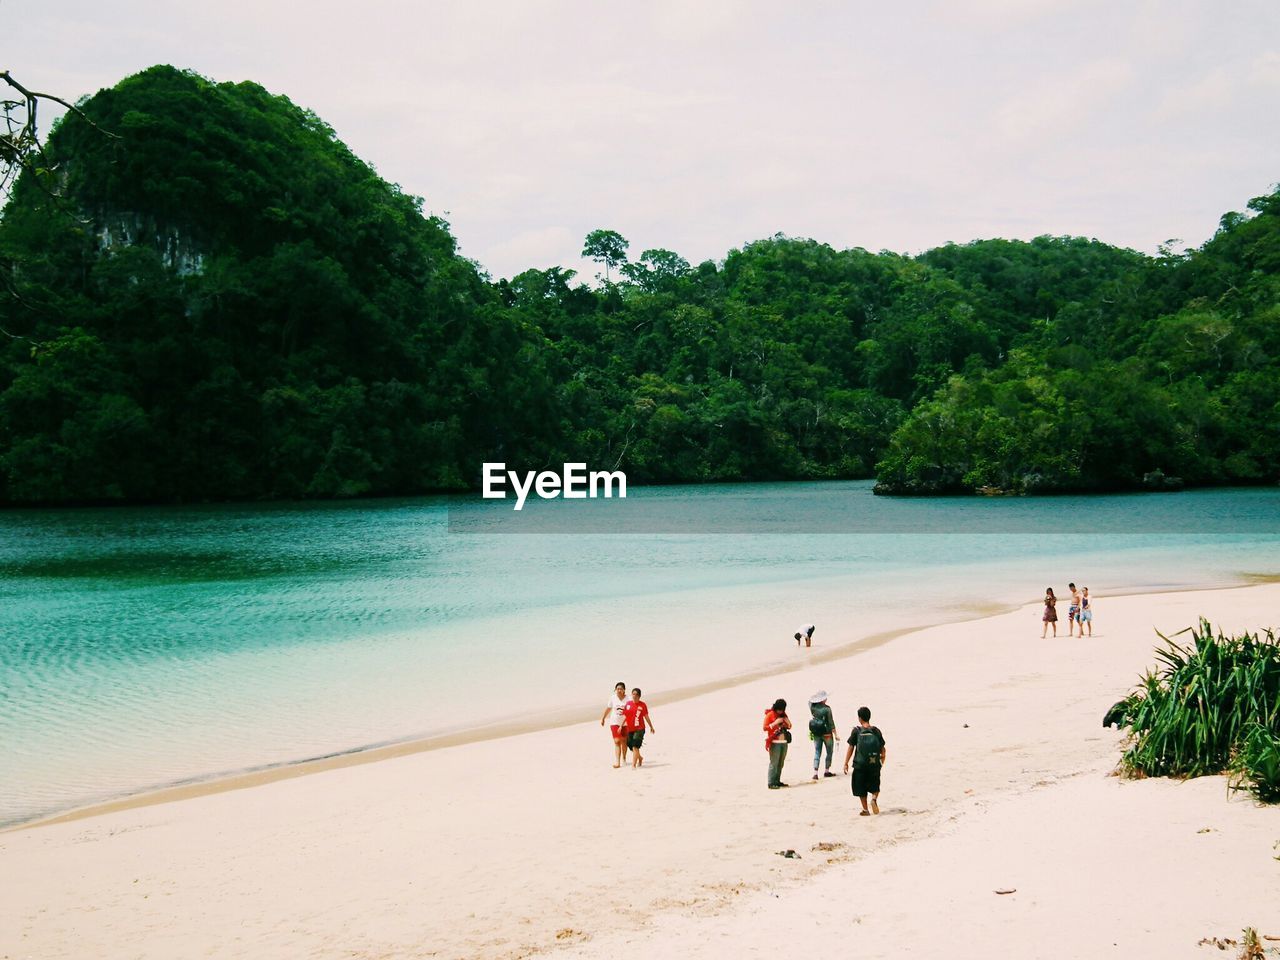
x=553, y=720
x=496, y=730
x=450, y=493
x=997, y=778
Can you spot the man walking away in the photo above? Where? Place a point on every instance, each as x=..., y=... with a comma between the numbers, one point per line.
x=866, y=750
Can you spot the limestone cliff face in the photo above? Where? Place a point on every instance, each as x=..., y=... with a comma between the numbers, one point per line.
x=178, y=251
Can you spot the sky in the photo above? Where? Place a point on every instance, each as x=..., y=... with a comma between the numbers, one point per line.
x=700, y=125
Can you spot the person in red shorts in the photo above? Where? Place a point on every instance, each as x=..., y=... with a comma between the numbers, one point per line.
x=635, y=715
x=613, y=713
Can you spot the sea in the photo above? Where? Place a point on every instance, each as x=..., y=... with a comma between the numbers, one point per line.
x=145, y=647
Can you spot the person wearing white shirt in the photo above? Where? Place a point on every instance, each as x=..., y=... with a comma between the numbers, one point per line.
x=617, y=703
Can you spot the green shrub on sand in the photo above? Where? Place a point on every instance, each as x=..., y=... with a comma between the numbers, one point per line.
x=1210, y=706
x=1256, y=766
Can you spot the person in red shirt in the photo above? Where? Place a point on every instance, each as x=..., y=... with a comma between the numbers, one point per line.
x=634, y=717
x=777, y=730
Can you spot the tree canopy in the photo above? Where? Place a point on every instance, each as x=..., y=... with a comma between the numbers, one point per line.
x=225, y=302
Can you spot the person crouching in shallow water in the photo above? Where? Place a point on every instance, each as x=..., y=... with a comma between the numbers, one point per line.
x=866, y=750
x=777, y=728
x=635, y=716
x=614, y=708
x=1050, y=612
x=806, y=634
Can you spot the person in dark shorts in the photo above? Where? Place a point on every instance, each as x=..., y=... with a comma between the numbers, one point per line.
x=635, y=716
x=866, y=750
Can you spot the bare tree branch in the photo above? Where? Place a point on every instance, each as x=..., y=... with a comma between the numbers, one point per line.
x=20, y=145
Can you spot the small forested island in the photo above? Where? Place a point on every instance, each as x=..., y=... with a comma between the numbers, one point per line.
x=220, y=301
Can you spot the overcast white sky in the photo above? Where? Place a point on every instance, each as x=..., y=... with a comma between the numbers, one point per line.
x=701, y=125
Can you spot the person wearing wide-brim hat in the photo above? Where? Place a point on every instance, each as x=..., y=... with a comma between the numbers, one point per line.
x=822, y=731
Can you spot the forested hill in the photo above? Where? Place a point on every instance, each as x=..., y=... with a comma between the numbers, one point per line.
x=226, y=303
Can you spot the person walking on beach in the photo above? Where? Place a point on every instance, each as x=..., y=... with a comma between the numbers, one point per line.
x=1050, y=612
x=635, y=715
x=1073, y=612
x=1086, y=612
x=805, y=634
x=777, y=728
x=822, y=731
x=866, y=750
x=614, y=708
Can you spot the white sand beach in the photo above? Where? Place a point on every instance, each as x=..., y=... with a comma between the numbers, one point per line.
x=997, y=779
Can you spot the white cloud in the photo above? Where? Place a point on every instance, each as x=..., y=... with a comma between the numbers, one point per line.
x=697, y=127
x=536, y=248
x=1265, y=71
x=1058, y=106
x=1210, y=91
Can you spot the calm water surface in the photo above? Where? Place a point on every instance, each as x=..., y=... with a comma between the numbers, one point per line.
x=143, y=647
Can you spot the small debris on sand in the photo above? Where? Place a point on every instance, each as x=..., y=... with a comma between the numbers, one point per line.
x=1215, y=942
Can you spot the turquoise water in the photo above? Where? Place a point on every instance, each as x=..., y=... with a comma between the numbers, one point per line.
x=143, y=647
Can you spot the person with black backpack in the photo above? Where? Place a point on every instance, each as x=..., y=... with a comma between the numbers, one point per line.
x=866, y=750
x=822, y=731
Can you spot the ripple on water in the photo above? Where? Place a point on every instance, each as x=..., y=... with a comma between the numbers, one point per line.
x=143, y=647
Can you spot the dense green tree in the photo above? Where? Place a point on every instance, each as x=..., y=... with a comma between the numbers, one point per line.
x=656, y=270
x=261, y=315
x=607, y=247
x=226, y=303
x=22, y=137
